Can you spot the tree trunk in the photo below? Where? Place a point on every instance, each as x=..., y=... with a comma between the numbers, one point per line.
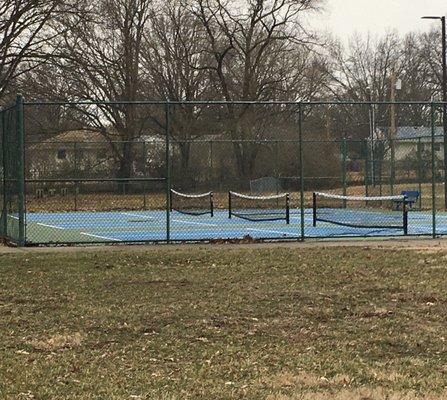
x=185, y=153
x=184, y=174
x=245, y=153
x=125, y=167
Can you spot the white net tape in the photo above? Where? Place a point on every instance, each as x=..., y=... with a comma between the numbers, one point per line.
x=191, y=196
x=273, y=197
x=360, y=198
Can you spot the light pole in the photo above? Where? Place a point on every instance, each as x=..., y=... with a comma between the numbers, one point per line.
x=444, y=98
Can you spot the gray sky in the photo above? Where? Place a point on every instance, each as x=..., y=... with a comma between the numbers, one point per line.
x=345, y=17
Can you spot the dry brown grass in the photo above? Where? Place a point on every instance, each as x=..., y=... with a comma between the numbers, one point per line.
x=58, y=342
x=360, y=394
x=205, y=323
x=157, y=201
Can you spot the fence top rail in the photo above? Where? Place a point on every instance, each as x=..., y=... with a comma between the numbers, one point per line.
x=223, y=103
x=159, y=140
x=8, y=108
x=80, y=180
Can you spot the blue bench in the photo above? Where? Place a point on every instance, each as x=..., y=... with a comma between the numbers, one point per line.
x=411, y=197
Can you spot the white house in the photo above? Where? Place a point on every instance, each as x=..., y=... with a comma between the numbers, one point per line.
x=410, y=139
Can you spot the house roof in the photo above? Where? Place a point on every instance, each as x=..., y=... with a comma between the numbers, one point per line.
x=78, y=136
x=82, y=135
x=416, y=132
x=411, y=133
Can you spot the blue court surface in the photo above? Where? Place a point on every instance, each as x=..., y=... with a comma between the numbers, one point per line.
x=148, y=226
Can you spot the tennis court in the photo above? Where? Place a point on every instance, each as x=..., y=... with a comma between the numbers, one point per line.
x=151, y=226
x=91, y=184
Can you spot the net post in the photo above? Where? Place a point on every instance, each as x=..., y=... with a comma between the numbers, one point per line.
x=21, y=172
x=287, y=209
x=212, y=204
x=168, y=172
x=314, y=209
x=229, y=205
x=433, y=166
x=170, y=200
x=405, y=215
x=301, y=164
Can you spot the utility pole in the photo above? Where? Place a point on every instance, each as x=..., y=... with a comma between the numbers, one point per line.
x=393, y=107
x=444, y=98
x=393, y=127
x=372, y=129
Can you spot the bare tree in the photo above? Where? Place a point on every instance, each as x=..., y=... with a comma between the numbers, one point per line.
x=361, y=72
x=172, y=61
x=99, y=55
x=249, y=45
x=23, y=36
x=431, y=55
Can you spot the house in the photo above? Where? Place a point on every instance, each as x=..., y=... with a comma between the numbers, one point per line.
x=65, y=153
x=87, y=153
x=411, y=139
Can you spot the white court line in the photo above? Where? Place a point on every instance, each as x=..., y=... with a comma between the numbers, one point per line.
x=193, y=223
x=99, y=237
x=174, y=220
x=136, y=215
x=50, y=226
x=269, y=231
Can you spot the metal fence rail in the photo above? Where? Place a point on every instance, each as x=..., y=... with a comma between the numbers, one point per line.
x=104, y=172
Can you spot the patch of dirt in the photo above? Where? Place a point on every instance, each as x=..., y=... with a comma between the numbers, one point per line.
x=57, y=342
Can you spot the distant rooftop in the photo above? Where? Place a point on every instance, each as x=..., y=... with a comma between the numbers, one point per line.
x=414, y=132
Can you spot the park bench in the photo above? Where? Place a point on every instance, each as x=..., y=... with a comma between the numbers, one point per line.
x=411, y=197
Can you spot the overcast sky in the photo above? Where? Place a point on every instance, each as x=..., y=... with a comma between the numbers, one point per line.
x=345, y=17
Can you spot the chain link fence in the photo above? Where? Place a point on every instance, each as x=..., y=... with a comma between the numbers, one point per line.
x=13, y=184
x=98, y=172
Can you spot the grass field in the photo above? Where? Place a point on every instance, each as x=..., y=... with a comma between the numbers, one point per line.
x=224, y=323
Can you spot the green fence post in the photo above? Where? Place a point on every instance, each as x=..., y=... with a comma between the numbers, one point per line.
x=4, y=206
x=21, y=171
x=210, y=173
x=343, y=168
x=379, y=167
x=393, y=166
x=76, y=175
x=168, y=172
x=144, y=158
x=433, y=166
x=301, y=165
x=419, y=171
x=277, y=165
x=366, y=176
